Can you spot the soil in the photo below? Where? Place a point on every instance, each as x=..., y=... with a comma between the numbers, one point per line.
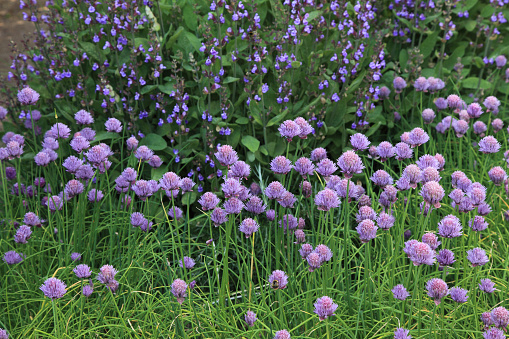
x=12, y=28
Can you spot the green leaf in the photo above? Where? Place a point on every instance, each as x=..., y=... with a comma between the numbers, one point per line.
x=230, y=79
x=403, y=58
x=250, y=142
x=146, y=89
x=189, y=198
x=174, y=37
x=470, y=25
x=103, y=135
x=250, y=156
x=473, y=82
x=242, y=121
x=429, y=43
x=92, y=50
x=296, y=64
x=190, y=18
x=154, y=142
x=189, y=42
x=277, y=119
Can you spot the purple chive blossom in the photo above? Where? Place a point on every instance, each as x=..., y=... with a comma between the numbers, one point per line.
x=144, y=189
x=88, y=133
x=289, y=129
x=304, y=167
x=280, y=165
x=31, y=219
x=226, y=155
x=430, y=174
x=307, y=190
x=403, y=151
x=491, y=103
x=366, y=230
x=477, y=193
x=428, y=115
x=75, y=256
x=233, y=206
x=218, y=216
x=441, y=161
x=178, y=289
x=12, y=257
x=305, y=250
x=497, y=175
x=432, y=193
x=283, y=334
x=53, y=288
x=79, y=144
x=327, y=199
x=300, y=236
x=479, y=128
x=188, y=263
x=314, y=261
x=208, y=201
x=486, y=319
x=474, y=110
x=87, y=290
x=107, y=277
x=231, y=188
x=239, y=170
x=428, y=161
x=421, y=84
x=437, y=289
x=83, y=117
x=59, y=130
x=155, y=161
x=497, y=125
x=324, y=252
x=449, y=227
x=326, y=168
x=478, y=224
x=73, y=188
x=170, y=181
x=28, y=96
x=359, y=142
x=55, y=203
x=248, y=226
x=175, y=213
x=278, y=279
x=460, y=127
x=255, y=205
x=399, y=292
x=132, y=143
x=350, y=163
x=82, y=271
x=399, y=84
x=384, y=92
x=483, y=209
x=186, y=184
x=458, y=294
x=22, y=234
x=143, y=153
x=477, y=257
x=305, y=127
x=275, y=190
x=113, y=125
x=489, y=145
x=365, y=213
x=445, y=257
x=325, y=307
x=287, y=200
x=418, y=137
x=420, y=253
x=385, y=150
x=381, y=178
x=318, y=154
x=441, y=103
x=487, y=286
x=271, y=215
x=385, y=221
x=401, y=333
x=500, y=317
x=494, y=333
x=250, y=318
x=414, y=174
x=289, y=222
x=431, y=239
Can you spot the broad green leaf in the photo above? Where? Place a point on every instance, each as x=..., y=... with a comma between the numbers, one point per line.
x=429, y=43
x=188, y=198
x=174, y=37
x=250, y=142
x=242, y=121
x=473, y=83
x=190, y=18
x=277, y=119
x=92, y=50
x=154, y=142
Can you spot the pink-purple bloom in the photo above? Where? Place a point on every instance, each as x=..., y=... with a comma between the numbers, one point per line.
x=437, y=289
x=278, y=279
x=325, y=307
x=53, y=288
x=477, y=257
x=400, y=292
x=248, y=226
x=178, y=289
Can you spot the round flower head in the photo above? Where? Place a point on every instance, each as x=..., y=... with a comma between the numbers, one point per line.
x=474, y=110
x=175, y=213
x=431, y=239
x=14, y=150
x=327, y=199
x=435, y=84
x=23, y=234
x=489, y=145
x=399, y=292
x=487, y=286
x=437, y=289
x=384, y=92
x=144, y=189
x=218, y=216
x=478, y=224
x=491, y=103
x=300, y=236
x=385, y=150
x=385, y=221
x=231, y=188
x=497, y=175
x=255, y=189
x=403, y=151
x=365, y=212
x=497, y=125
x=479, y=128
x=275, y=190
x=289, y=129
x=500, y=61
x=12, y=257
x=381, y=178
x=477, y=257
x=445, y=257
x=281, y=165
x=500, y=317
x=305, y=250
x=88, y=133
x=271, y=215
x=483, y=209
x=53, y=288
x=170, y=181
x=402, y=333
x=418, y=137
x=31, y=219
x=314, y=261
x=278, y=280
x=3, y=113
x=250, y=318
x=283, y=334
x=420, y=253
x=304, y=167
x=208, y=201
x=28, y=96
x=428, y=115
x=373, y=153
x=326, y=167
x=289, y=222
x=494, y=333
x=233, y=206
x=59, y=130
x=248, y=226
x=287, y=200
x=318, y=154
x=87, y=290
x=75, y=256
x=399, y=84
x=486, y=319
x=226, y=155
x=324, y=252
x=463, y=115
x=83, y=117
x=421, y=84
x=73, y=188
x=359, y=142
x=113, y=125
x=441, y=103
x=132, y=143
x=456, y=195
x=79, y=144
x=143, y=153
x=239, y=170
x=350, y=163
x=432, y=193
x=458, y=294
x=477, y=193
x=155, y=161
x=366, y=230
x=460, y=127
x=10, y=173
x=325, y=307
x=42, y=158
x=55, y=203
x=82, y=271
x=107, y=274
x=178, y=289
x=449, y=227
x=188, y=263
x=255, y=205
x=454, y=101
x=305, y=127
